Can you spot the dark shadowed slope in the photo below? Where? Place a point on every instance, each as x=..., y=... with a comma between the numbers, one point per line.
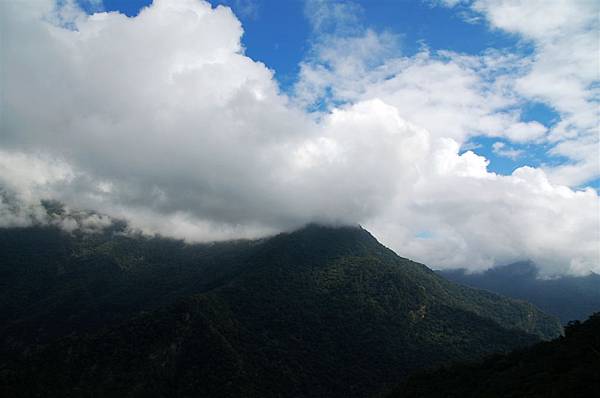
x=566, y=367
x=568, y=298
x=53, y=283
x=318, y=312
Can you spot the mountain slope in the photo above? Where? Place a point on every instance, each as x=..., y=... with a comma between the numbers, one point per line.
x=566, y=367
x=569, y=297
x=318, y=312
x=54, y=283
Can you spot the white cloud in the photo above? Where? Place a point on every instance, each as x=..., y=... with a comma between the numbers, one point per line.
x=539, y=19
x=32, y=175
x=525, y=131
x=501, y=149
x=333, y=16
x=460, y=96
x=163, y=120
x=452, y=95
x=340, y=67
x=495, y=219
x=563, y=72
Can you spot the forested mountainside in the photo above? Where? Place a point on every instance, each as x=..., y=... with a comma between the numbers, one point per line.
x=318, y=312
x=568, y=366
x=568, y=298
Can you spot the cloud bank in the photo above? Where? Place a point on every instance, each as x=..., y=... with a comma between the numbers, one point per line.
x=162, y=119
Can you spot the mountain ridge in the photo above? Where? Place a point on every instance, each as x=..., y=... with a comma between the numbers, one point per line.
x=320, y=311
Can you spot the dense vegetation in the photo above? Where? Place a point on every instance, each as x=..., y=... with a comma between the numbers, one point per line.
x=566, y=367
x=318, y=312
x=568, y=298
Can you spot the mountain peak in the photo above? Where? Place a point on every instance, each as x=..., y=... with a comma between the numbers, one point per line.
x=318, y=241
x=317, y=230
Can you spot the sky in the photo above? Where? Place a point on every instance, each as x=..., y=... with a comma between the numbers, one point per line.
x=460, y=133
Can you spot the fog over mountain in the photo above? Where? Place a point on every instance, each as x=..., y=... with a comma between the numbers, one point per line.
x=163, y=120
x=568, y=297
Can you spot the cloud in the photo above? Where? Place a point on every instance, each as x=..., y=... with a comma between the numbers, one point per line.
x=563, y=72
x=482, y=219
x=470, y=94
x=163, y=115
x=451, y=94
x=162, y=119
x=501, y=149
x=333, y=16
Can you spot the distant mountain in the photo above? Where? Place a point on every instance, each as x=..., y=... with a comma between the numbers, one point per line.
x=566, y=367
x=317, y=312
x=569, y=297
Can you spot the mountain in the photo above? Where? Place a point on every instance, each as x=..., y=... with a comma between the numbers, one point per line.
x=566, y=367
x=318, y=312
x=568, y=297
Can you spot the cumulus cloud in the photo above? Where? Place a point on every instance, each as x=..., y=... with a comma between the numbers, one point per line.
x=460, y=96
x=162, y=119
x=481, y=219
